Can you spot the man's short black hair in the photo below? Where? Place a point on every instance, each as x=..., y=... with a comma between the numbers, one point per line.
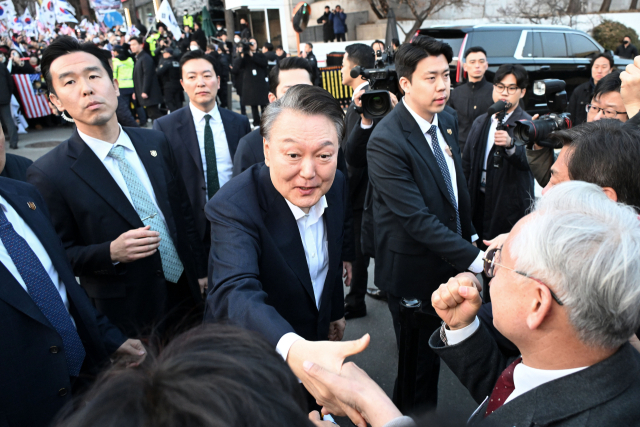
x=361, y=54
x=310, y=44
x=609, y=83
x=161, y=25
x=199, y=54
x=518, y=71
x=395, y=42
x=291, y=63
x=605, y=55
x=212, y=375
x=279, y=47
x=409, y=54
x=607, y=153
x=377, y=41
x=475, y=49
x=269, y=46
x=137, y=39
x=65, y=45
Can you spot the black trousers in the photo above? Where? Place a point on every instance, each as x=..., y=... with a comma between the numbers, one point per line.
x=360, y=278
x=173, y=97
x=426, y=398
x=340, y=37
x=153, y=111
x=255, y=114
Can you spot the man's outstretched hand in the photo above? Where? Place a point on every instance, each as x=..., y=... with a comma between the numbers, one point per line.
x=330, y=356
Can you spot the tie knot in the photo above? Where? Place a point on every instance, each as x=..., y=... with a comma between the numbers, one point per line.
x=432, y=131
x=207, y=117
x=117, y=152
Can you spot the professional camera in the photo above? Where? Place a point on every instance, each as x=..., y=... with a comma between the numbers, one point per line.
x=383, y=79
x=529, y=132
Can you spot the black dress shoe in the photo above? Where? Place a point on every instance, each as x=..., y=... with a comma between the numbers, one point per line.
x=354, y=312
x=377, y=294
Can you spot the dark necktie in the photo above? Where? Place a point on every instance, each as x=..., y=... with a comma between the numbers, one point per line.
x=213, y=183
x=43, y=292
x=503, y=389
x=442, y=163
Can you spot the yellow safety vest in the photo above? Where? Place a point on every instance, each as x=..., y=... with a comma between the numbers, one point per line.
x=152, y=39
x=123, y=72
x=187, y=20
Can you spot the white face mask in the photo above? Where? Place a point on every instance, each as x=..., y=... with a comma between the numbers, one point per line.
x=195, y=48
x=237, y=39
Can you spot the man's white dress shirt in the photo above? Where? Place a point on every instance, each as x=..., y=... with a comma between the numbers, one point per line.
x=223, y=155
x=478, y=264
x=27, y=234
x=101, y=150
x=316, y=250
x=525, y=378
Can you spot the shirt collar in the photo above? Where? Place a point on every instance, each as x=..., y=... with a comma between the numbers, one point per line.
x=526, y=378
x=422, y=123
x=102, y=148
x=198, y=115
x=359, y=88
x=315, y=212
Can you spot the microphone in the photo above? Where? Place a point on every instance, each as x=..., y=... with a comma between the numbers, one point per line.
x=499, y=106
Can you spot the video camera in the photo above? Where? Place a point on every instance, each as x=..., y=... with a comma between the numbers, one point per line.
x=529, y=132
x=382, y=79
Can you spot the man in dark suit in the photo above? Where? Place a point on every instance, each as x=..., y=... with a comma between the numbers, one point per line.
x=54, y=340
x=420, y=213
x=275, y=264
x=11, y=165
x=501, y=188
x=204, y=147
x=251, y=67
x=117, y=201
x=147, y=88
x=572, y=328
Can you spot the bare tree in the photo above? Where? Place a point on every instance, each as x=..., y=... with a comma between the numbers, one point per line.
x=554, y=12
x=634, y=5
x=420, y=9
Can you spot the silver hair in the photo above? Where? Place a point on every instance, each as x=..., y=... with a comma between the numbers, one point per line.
x=587, y=249
x=308, y=100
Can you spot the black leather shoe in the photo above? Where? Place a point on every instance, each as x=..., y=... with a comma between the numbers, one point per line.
x=354, y=312
x=377, y=294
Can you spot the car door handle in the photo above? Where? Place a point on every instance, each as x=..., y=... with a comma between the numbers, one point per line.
x=582, y=67
x=545, y=68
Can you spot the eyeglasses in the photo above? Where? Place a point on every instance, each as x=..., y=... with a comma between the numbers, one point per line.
x=510, y=89
x=609, y=113
x=490, y=264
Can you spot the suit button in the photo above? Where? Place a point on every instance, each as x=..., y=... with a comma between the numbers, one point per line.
x=62, y=392
x=53, y=349
x=159, y=273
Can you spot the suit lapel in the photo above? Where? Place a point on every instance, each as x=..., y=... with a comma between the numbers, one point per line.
x=419, y=142
x=333, y=219
x=445, y=126
x=187, y=128
x=230, y=131
x=91, y=170
x=283, y=228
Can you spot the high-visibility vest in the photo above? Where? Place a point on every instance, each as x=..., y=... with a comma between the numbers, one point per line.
x=152, y=39
x=123, y=72
x=187, y=20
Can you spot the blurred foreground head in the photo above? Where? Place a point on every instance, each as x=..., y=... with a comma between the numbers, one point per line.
x=210, y=376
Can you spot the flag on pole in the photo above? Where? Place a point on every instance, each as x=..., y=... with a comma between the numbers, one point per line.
x=7, y=11
x=64, y=11
x=33, y=104
x=133, y=31
x=46, y=14
x=166, y=16
x=28, y=23
x=16, y=24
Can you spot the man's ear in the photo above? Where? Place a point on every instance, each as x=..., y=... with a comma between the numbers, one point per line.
x=405, y=85
x=540, y=306
x=611, y=193
x=272, y=98
x=522, y=94
x=55, y=101
x=116, y=86
x=265, y=147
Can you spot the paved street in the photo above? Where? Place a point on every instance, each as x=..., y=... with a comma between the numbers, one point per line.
x=379, y=360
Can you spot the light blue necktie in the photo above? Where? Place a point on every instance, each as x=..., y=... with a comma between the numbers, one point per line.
x=442, y=163
x=43, y=292
x=171, y=264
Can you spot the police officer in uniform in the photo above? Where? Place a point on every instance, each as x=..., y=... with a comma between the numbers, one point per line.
x=169, y=73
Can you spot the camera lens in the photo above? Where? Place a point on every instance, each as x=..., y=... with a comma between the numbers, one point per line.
x=377, y=105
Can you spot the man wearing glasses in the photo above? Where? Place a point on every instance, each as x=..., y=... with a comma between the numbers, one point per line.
x=500, y=182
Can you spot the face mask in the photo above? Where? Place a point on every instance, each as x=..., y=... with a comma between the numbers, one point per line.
x=195, y=48
x=237, y=39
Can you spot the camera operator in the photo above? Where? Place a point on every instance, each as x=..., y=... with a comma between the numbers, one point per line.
x=601, y=65
x=169, y=73
x=473, y=98
x=251, y=68
x=605, y=103
x=498, y=175
x=630, y=91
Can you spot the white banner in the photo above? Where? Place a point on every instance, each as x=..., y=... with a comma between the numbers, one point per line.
x=166, y=16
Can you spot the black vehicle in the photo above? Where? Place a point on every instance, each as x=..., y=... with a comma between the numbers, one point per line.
x=545, y=51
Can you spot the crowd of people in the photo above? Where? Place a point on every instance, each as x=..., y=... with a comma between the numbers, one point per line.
x=211, y=254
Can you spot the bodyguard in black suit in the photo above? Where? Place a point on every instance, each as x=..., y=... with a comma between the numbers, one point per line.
x=277, y=229
x=103, y=207
x=188, y=139
x=419, y=222
x=35, y=376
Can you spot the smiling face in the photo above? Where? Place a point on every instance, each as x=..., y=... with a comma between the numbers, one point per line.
x=302, y=159
x=83, y=88
x=200, y=82
x=428, y=91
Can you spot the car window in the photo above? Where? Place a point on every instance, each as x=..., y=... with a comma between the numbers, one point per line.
x=532, y=46
x=553, y=45
x=496, y=43
x=581, y=46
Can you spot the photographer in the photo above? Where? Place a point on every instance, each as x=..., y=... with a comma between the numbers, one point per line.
x=251, y=67
x=605, y=103
x=499, y=179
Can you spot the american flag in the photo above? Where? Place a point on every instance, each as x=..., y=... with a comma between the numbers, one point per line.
x=34, y=105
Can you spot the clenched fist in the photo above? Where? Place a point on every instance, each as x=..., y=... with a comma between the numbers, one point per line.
x=457, y=302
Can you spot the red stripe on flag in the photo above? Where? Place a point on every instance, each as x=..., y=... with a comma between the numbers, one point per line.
x=33, y=105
